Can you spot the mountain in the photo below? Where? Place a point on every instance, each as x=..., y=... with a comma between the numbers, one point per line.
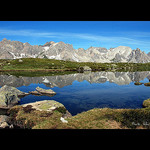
x=62, y=51
x=120, y=78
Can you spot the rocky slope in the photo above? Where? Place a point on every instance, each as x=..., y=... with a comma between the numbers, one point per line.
x=61, y=51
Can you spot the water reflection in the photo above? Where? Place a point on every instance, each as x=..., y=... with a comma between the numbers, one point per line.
x=120, y=78
x=83, y=91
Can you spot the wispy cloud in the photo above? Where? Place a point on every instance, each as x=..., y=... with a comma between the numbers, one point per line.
x=129, y=38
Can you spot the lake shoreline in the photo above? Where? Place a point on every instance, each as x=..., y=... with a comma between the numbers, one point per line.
x=93, y=118
x=97, y=118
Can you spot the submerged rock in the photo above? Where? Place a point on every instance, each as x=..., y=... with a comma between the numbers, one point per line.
x=9, y=96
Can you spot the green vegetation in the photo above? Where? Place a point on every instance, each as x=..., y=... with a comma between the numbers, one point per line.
x=104, y=118
x=37, y=64
x=36, y=73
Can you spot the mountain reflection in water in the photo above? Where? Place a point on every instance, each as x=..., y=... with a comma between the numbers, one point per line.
x=83, y=91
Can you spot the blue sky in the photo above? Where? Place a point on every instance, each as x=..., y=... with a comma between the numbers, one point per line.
x=81, y=34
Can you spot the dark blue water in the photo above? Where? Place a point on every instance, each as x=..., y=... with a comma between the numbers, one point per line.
x=82, y=95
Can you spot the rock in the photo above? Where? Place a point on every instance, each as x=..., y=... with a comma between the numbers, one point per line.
x=49, y=105
x=85, y=68
x=35, y=93
x=20, y=60
x=147, y=84
x=63, y=120
x=45, y=105
x=146, y=103
x=4, y=125
x=10, y=96
x=138, y=83
x=3, y=121
x=44, y=91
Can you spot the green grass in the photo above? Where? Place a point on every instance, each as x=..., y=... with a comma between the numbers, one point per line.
x=104, y=118
x=36, y=73
x=60, y=65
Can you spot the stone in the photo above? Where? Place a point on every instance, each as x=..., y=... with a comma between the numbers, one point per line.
x=50, y=106
x=10, y=96
x=138, y=83
x=4, y=125
x=3, y=121
x=63, y=120
x=146, y=103
x=147, y=84
x=44, y=91
x=45, y=105
x=20, y=60
x=35, y=93
x=85, y=68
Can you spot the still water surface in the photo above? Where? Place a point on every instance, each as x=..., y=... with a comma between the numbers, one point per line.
x=83, y=91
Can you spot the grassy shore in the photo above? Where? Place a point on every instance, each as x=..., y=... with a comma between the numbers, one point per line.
x=97, y=118
x=37, y=64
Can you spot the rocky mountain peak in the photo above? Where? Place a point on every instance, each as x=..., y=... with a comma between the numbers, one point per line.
x=48, y=43
x=62, y=51
x=4, y=39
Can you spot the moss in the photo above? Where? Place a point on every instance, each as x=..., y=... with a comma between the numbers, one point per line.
x=135, y=118
x=61, y=110
x=44, y=106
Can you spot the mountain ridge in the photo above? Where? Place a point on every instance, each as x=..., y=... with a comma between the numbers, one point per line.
x=62, y=51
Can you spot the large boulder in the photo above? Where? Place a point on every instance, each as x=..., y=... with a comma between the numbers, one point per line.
x=10, y=96
x=49, y=105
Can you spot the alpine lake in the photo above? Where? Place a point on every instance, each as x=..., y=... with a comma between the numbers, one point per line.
x=80, y=92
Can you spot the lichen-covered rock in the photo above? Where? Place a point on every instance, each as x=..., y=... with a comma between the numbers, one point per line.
x=146, y=103
x=49, y=105
x=44, y=91
x=9, y=96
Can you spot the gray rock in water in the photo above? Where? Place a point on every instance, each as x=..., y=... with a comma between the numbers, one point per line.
x=9, y=96
x=44, y=91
